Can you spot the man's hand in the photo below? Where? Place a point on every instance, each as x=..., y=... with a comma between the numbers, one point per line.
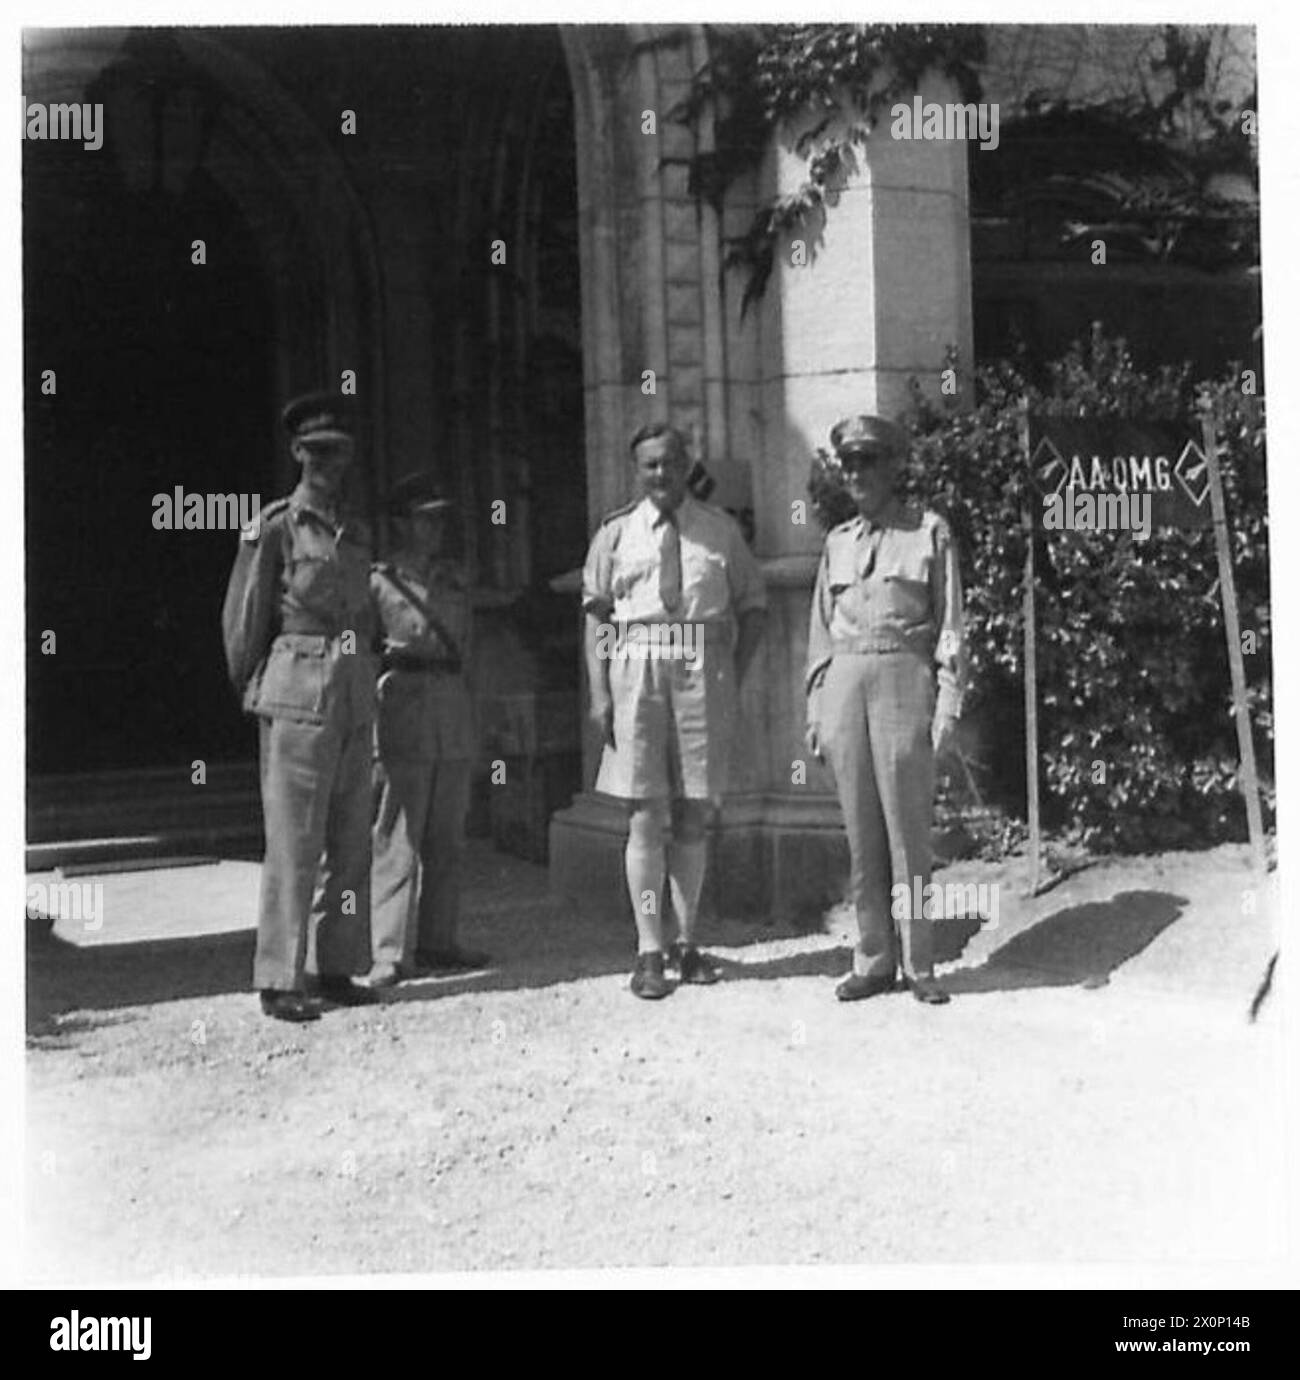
x=601, y=715
x=943, y=731
x=813, y=739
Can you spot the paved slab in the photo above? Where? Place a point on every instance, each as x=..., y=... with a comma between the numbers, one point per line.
x=151, y=905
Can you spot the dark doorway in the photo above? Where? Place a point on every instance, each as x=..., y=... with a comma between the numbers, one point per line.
x=163, y=376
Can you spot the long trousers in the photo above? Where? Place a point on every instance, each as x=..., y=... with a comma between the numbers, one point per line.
x=419, y=842
x=314, y=911
x=875, y=714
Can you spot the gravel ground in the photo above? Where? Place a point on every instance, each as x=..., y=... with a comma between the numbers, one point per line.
x=1094, y=1093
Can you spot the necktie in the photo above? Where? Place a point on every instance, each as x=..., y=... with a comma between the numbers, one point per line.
x=874, y=535
x=670, y=563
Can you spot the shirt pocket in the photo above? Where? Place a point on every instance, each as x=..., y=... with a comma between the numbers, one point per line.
x=841, y=568
x=293, y=682
x=704, y=579
x=314, y=582
x=904, y=598
x=632, y=573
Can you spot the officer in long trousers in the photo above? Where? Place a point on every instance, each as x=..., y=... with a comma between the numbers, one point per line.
x=668, y=562
x=298, y=630
x=884, y=682
x=424, y=743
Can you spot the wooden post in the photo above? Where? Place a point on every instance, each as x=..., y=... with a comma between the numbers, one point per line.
x=1030, y=614
x=1232, y=631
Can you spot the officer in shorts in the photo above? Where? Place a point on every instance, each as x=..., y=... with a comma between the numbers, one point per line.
x=675, y=606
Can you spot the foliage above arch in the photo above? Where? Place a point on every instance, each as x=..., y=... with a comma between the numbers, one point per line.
x=1149, y=165
x=762, y=77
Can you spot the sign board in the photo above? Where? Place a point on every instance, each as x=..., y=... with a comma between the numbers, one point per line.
x=1090, y=466
x=1089, y=472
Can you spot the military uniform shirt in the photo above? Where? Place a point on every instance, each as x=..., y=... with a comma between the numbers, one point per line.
x=424, y=716
x=675, y=719
x=299, y=583
x=890, y=585
x=720, y=578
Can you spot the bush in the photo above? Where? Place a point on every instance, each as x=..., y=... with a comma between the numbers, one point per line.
x=1136, y=736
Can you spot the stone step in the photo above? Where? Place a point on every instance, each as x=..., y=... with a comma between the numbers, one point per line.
x=124, y=816
x=137, y=852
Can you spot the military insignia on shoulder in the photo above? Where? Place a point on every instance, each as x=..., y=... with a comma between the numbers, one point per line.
x=619, y=512
x=271, y=510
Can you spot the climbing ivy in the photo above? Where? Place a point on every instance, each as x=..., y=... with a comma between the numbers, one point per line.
x=760, y=78
x=1141, y=162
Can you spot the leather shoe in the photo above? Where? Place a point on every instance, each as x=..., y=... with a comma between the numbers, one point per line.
x=693, y=966
x=342, y=991
x=441, y=960
x=928, y=990
x=648, y=979
x=856, y=987
x=290, y=1006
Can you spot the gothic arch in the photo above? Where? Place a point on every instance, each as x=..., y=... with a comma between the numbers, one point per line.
x=290, y=186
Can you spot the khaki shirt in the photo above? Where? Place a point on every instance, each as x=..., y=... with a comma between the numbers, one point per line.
x=720, y=577
x=297, y=621
x=890, y=585
x=424, y=715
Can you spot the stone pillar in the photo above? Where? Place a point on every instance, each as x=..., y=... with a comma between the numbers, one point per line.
x=885, y=291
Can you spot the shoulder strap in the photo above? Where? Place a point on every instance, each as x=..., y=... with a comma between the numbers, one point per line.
x=619, y=512
x=389, y=572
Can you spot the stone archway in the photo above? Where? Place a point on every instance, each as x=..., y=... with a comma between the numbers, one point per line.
x=192, y=127
x=315, y=231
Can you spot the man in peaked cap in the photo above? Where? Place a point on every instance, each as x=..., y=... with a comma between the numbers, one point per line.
x=884, y=682
x=666, y=719
x=424, y=743
x=299, y=631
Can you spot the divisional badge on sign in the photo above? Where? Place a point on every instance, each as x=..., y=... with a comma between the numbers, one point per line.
x=1049, y=467
x=1193, y=472
x=1114, y=460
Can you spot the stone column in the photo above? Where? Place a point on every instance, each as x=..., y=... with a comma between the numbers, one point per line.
x=884, y=292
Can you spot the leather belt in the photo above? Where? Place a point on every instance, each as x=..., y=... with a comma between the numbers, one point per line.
x=878, y=646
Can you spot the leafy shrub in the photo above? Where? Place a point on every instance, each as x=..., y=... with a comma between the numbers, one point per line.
x=1136, y=735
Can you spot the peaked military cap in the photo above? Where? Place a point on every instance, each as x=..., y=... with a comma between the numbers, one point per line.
x=867, y=433
x=318, y=417
x=418, y=492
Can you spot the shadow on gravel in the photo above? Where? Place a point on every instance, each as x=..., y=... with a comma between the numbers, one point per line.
x=1081, y=945
x=1078, y=946
x=68, y=977
x=535, y=943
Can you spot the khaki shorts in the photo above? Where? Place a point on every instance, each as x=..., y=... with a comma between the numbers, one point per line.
x=674, y=721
